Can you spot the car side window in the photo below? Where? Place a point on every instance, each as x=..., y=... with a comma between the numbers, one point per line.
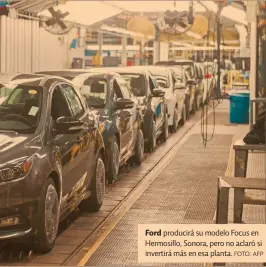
x=73, y=100
x=59, y=107
x=124, y=88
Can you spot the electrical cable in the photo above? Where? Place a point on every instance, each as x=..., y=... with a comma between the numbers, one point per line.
x=204, y=112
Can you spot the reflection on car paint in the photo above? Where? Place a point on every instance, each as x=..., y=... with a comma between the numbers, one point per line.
x=9, y=145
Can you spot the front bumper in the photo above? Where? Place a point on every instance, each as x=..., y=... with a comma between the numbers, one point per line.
x=18, y=210
x=4, y=235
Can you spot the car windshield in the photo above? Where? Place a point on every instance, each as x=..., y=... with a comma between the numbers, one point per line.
x=161, y=78
x=208, y=69
x=136, y=83
x=20, y=108
x=189, y=70
x=178, y=71
x=95, y=91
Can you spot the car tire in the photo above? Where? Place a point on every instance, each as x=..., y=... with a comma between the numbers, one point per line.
x=97, y=188
x=184, y=117
x=175, y=121
x=199, y=102
x=139, y=149
x=47, y=223
x=113, y=162
x=165, y=133
x=152, y=140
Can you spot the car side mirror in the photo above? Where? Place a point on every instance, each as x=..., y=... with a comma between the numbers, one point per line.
x=158, y=92
x=69, y=125
x=180, y=86
x=124, y=103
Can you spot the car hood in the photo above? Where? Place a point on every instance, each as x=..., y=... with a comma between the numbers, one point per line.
x=15, y=146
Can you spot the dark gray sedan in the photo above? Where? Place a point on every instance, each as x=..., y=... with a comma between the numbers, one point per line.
x=51, y=158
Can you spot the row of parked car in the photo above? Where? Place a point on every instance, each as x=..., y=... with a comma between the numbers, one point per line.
x=65, y=133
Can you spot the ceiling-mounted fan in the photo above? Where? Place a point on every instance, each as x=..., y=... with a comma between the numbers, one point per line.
x=56, y=25
x=175, y=22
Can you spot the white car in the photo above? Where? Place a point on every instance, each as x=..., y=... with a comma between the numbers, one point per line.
x=175, y=94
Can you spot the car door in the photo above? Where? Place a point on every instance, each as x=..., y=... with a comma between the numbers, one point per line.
x=181, y=94
x=156, y=103
x=82, y=144
x=123, y=120
x=200, y=81
x=132, y=116
x=170, y=97
x=62, y=145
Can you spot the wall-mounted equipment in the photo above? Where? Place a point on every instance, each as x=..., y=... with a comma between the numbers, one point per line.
x=176, y=22
x=55, y=24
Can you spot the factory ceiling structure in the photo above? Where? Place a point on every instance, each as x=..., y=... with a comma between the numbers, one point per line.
x=100, y=13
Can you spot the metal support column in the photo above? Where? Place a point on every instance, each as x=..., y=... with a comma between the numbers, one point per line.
x=124, y=51
x=100, y=51
x=156, y=47
x=252, y=19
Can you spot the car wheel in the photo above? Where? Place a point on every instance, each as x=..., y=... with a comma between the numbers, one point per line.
x=48, y=218
x=113, y=162
x=199, y=102
x=152, y=139
x=97, y=189
x=184, y=117
x=165, y=133
x=175, y=121
x=139, y=150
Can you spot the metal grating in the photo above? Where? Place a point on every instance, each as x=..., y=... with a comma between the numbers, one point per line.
x=221, y=118
x=184, y=192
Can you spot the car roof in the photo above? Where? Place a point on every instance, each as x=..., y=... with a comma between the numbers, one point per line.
x=158, y=68
x=7, y=77
x=26, y=79
x=70, y=74
x=67, y=74
x=173, y=62
x=131, y=69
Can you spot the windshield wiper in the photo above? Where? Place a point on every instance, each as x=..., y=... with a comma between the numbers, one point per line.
x=7, y=131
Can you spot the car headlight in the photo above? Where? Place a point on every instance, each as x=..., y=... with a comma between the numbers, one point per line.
x=15, y=171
